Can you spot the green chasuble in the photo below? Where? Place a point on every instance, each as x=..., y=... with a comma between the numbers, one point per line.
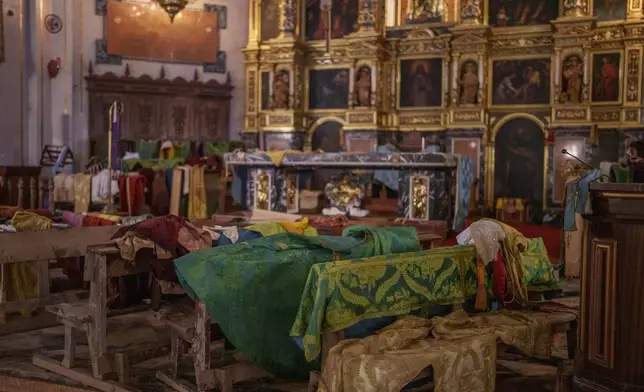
x=253, y=290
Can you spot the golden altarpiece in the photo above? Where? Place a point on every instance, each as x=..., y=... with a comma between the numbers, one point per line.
x=510, y=83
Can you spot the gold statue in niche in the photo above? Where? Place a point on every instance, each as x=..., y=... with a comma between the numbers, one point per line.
x=419, y=194
x=262, y=192
x=469, y=83
x=363, y=87
x=573, y=74
x=281, y=89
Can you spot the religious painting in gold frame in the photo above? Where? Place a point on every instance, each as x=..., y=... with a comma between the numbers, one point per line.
x=328, y=89
x=607, y=77
x=410, y=12
x=1, y=33
x=420, y=83
x=610, y=10
x=270, y=18
x=515, y=13
x=519, y=161
x=343, y=14
x=524, y=83
x=265, y=90
x=563, y=163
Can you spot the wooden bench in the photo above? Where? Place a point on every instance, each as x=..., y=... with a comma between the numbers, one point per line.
x=192, y=326
x=39, y=248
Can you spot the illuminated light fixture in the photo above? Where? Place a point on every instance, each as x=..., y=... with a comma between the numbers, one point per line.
x=173, y=7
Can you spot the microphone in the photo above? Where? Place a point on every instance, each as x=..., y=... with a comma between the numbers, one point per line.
x=565, y=152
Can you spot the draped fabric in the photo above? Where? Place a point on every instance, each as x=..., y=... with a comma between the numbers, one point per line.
x=253, y=289
x=82, y=189
x=342, y=293
x=132, y=194
x=464, y=183
x=197, y=195
x=461, y=351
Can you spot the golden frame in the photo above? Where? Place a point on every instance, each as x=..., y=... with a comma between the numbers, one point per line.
x=398, y=16
x=444, y=82
x=603, y=23
x=486, y=18
x=490, y=157
x=622, y=64
x=307, y=86
x=490, y=86
x=320, y=121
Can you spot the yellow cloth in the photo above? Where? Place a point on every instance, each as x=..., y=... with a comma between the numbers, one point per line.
x=461, y=352
x=82, y=189
x=272, y=228
x=109, y=217
x=176, y=192
x=197, y=194
x=29, y=221
x=23, y=279
x=512, y=248
x=166, y=151
x=277, y=156
x=518, y=203
x=296, y=227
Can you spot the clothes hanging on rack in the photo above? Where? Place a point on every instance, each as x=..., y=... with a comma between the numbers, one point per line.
x=197, y=195
x=82, y=189
x=131, y=189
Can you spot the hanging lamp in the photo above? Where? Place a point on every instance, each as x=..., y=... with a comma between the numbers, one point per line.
x=173, y=7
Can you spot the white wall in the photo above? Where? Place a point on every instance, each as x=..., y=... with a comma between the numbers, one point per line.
x=56, y=109
x=11, y=88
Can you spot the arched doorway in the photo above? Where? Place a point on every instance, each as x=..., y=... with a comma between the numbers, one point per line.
x=519, y=156
x=325, y=136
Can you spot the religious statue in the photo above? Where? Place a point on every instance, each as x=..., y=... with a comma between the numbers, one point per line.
x=469, y=83
x=281, y=89
x=573, y=75
x=363, y=87
x=420, y=10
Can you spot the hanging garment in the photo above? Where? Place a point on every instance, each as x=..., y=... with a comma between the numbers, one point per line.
x=464, y=183
x=181, y=149
x=623, y=174
x=197, y=197
x=166, y=151
x=176, y=192
x=229, y=277
x=63, y=188
x=147, y=149
x=388, y=178
x=82, y=195
x=101, y=187
x=160, y=196
x=131, y=190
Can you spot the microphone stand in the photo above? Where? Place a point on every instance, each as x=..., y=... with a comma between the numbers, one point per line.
x=565, y=152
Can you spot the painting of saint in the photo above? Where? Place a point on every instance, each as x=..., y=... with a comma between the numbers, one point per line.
x=421, y=82
x=521, y=82
x=572, y=79
x=522, y=12
x=606, y=10
x=329, y=89
x=363, y=87
x=266, y=90
x=281, y=89
x=468, y=83
x=270, y=22
x=423, y=11
x=344, y=18
x=519, y=157
x=606, y=68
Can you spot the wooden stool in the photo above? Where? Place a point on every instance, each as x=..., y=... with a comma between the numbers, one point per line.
x=193, y=327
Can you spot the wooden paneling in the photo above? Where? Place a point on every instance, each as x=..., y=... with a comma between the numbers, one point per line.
x=611, y=346
x=158, y=108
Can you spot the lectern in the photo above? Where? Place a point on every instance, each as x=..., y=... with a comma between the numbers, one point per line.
x=610, y=356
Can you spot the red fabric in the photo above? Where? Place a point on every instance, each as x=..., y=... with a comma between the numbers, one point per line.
x=498, y=278
x=9, y=212
x=93, y=221
x=136, y=197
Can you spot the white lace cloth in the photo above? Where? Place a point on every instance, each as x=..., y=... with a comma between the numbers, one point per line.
x=486, y=236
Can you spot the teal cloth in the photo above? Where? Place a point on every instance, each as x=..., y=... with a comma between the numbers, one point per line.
x=253, y=290
x=148, y=149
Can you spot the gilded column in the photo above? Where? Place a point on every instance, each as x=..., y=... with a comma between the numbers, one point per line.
x=367, y=15
x=288, y=15
x=635, y=9
x=472, y=12
x=575, y=8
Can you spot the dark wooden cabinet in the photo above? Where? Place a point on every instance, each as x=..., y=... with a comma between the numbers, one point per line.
x=156, y=109
x=611, y=341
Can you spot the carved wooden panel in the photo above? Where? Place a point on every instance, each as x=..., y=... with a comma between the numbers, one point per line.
x=157, y=109
x=601, y=307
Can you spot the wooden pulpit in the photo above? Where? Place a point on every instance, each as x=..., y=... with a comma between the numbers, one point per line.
x=610, y=356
